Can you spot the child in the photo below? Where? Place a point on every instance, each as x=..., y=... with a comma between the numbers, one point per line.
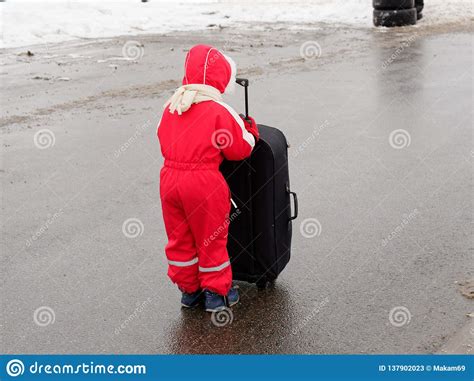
x=197, y=131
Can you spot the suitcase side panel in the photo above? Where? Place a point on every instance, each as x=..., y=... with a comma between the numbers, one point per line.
x=264, y=212
x=260, y=236
x=239, y=243
x=281, y=200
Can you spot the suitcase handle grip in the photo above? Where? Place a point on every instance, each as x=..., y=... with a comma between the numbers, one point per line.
x=242, y=81
x=295, y=200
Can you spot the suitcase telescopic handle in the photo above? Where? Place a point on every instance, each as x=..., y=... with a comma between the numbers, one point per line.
x=245, y=83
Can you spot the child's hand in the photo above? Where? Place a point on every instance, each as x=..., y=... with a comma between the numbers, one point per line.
x=251, y=126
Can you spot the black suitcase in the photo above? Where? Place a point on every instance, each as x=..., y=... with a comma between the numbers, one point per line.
x=259, y=241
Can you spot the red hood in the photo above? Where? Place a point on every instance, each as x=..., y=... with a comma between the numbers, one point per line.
x=206, y=65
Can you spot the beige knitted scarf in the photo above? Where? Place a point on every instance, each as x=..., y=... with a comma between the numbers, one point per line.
x=186, y=95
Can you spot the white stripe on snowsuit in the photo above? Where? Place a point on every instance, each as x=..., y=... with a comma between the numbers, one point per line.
x=212, y=269
x=248, y=137
x=183, y=264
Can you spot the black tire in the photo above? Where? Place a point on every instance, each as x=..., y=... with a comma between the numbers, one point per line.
x=419, y=7
x=395, y=18
x=393, y=4
x=419, y=15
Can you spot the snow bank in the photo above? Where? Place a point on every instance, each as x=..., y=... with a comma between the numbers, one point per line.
x=35, y=22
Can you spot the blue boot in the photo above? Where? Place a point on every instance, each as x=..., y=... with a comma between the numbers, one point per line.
x=214, y=302
x=233, y=296
x=191, y=300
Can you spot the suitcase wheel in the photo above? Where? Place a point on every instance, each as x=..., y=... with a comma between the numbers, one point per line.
x=263, y=284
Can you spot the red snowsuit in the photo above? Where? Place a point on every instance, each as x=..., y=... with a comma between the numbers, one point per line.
x=194, y=195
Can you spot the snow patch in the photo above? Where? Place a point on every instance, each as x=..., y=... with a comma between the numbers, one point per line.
x=27, y=22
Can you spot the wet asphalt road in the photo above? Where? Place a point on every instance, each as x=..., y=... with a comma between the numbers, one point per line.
x=395, y=219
